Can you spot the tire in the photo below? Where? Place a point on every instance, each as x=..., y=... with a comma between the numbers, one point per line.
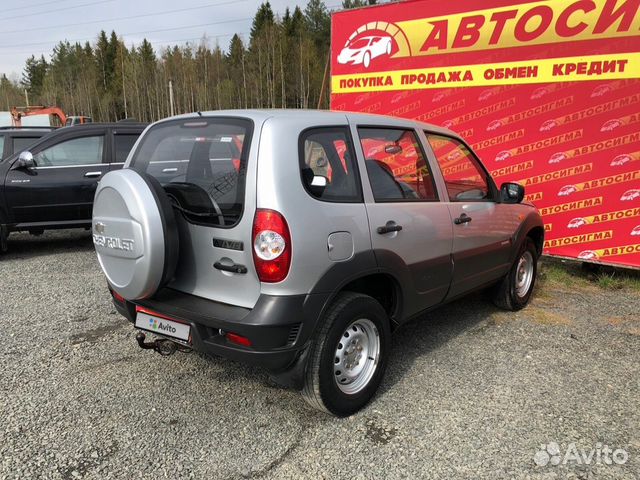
x=515, y=289
x=366, y=59
x=361, y=318
x=4, y=239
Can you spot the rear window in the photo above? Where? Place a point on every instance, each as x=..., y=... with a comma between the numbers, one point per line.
x=201, y=163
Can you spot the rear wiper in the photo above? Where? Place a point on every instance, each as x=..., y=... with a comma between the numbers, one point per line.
x=219, y=215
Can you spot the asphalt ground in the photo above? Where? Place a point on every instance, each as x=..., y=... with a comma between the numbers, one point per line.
x=470, y=392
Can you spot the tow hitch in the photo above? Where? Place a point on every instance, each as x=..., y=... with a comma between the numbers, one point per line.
x=163, y=346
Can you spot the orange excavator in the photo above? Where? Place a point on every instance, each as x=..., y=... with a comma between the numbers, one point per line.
x=62, y=120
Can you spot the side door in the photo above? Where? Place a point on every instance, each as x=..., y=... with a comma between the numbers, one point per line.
x=483, y=228
x=122, y=142
x=410, y=227
x=60, y=188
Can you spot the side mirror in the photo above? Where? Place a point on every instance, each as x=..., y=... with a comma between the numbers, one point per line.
x=318, y=184
x=393, y=149
x=25, y=160
x=511, y=192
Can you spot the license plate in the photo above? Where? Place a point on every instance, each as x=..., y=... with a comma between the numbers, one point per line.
x=162, y=326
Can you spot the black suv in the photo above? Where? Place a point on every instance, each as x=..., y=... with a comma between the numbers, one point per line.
x=16, y=139
x=51, y=184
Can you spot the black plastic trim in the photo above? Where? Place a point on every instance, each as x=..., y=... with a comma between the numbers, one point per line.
x=267, y=325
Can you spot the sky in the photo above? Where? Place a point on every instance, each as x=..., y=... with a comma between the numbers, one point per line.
x=33, y=27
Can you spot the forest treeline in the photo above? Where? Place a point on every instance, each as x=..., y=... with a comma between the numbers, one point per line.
x=282, y=65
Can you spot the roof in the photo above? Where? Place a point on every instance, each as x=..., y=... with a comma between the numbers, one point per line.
x=322, y=116
x=128, y=123
x=26, y=129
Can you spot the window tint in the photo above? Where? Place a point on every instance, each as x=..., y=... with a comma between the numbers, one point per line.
x=123, y=144
x=1, y=147
x=201, y=163
x=396, y=166
x=22, y=143
x=465, y=179
x=77, y=151
x=326, y=157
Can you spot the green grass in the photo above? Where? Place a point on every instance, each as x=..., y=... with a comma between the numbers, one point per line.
x=573, y=274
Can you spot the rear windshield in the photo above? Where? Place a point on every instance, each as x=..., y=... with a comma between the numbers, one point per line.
x=201, y=163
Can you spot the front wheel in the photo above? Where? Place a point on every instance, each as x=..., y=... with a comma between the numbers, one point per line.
x=348, y=356
x=366, y=59
x=515, y=289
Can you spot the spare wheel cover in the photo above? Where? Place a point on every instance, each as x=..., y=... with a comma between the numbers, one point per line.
x=134, y=233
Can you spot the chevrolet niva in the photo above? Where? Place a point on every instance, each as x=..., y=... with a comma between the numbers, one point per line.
x=299, y=240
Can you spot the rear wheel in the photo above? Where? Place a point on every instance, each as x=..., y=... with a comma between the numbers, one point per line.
x=514, y=291
x=348, y=356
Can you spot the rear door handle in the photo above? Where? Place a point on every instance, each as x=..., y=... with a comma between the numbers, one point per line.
x=390, y=226
x=235, y=268
x=92, y=174
x=464, y=218
x=169, y=170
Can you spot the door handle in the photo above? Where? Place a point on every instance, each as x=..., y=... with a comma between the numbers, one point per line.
x=391, y=226
x=235, y=268
x=169, y=170
x=92, y=174
x=463, y=218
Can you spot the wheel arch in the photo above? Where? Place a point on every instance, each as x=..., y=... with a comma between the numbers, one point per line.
x=537, y=235
x=381, y=286
x=531, y=227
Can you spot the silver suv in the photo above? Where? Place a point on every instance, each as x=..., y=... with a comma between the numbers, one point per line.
x=299, y=240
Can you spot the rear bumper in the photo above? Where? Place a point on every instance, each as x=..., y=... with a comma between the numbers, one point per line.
x=279, y=327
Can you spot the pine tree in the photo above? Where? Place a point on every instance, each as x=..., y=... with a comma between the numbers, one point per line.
x=33, y=77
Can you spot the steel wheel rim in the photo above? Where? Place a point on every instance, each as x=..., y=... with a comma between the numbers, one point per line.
x=524, y=274
x=355, y=360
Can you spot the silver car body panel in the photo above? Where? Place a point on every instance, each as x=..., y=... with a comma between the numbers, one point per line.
x=311, y=222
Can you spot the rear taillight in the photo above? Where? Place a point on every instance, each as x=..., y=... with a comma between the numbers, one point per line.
x=271, y=246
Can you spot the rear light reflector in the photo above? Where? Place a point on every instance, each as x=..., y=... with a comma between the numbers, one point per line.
x=119, y=298
x=271, y=246
x=238, y=339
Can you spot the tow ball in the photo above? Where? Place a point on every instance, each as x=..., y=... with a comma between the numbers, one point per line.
x=161, y=345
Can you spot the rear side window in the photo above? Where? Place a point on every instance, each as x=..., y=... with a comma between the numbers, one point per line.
x=123, y=142
x=201, y=163
x=1, y=147
x=328, y=166
x=465, y=179
x=396, y=166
